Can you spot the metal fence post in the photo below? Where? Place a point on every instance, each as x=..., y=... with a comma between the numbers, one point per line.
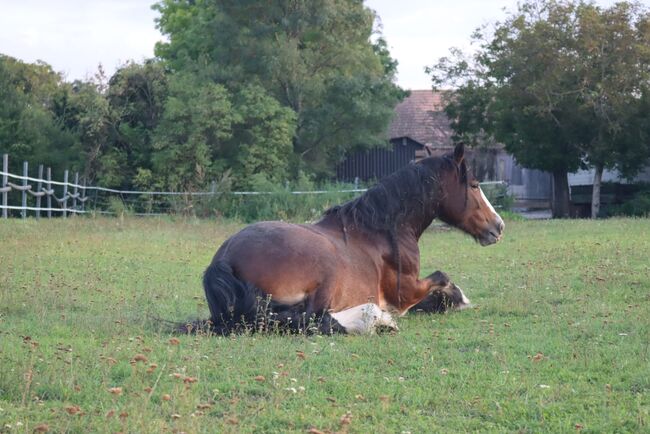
x=39, y=186
x=5, y=178
x=49, y=189
x=25, y=174
x=74, y=194
x=65, y=194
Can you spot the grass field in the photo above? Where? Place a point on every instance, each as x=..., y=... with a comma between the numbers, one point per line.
x=558, y=341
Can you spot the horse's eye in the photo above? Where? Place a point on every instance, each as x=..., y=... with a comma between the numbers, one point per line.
x=475, y=185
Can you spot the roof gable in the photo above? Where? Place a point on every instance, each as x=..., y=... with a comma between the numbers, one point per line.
x=420, y=116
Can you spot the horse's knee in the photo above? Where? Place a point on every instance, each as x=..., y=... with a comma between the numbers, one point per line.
x=438, y=279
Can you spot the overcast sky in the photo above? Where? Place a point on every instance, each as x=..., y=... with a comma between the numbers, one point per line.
x=74, y=36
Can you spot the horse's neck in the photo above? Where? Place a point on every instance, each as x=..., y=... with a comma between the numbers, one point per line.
x=415, y=223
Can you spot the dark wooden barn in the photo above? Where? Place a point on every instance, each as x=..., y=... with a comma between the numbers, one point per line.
x=376, y=163
x=420, y=122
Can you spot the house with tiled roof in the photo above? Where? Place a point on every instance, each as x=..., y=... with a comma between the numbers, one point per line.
x=420, y=123
x=421, y=118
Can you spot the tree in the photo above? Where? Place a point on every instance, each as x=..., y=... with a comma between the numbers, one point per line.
x=193, y=133
x=314, y=58
x=613, y=79
x=92, y=120
x=136, y=95
x=29, y=129
x=262, y=133
x=554, y=82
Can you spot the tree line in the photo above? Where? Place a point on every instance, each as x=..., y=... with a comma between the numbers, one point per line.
x=253, y=93
x=243, y=92
x=563, y=84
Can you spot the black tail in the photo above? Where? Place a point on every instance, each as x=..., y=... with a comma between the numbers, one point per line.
x=236, y=306
x=233, y=303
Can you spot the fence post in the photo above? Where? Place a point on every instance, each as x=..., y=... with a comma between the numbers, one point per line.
x=39, y=185
x=74, y=195
x=5, y=179
x=65, y=194
x=83, y=196
x=49, y=196
x=25, y=174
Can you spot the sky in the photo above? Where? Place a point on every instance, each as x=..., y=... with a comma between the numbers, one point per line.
x=75, y=36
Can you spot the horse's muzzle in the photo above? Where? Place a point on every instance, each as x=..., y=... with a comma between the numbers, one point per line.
x=493, y=233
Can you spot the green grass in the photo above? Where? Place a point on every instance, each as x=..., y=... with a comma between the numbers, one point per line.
x=559, y=338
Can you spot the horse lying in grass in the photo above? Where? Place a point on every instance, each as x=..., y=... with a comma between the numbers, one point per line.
x=355, y=268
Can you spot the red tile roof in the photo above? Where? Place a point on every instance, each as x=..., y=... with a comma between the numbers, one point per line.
x=420, y=117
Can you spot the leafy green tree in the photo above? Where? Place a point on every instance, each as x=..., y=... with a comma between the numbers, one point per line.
x=191, y=140
x=92, y=120
x=612, y=72
x=262, y=133
x=29, y=130
x=315, y=58
x=136, y=95
x=558, y=83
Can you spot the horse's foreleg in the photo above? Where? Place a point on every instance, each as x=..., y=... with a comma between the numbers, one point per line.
x=443, y=295
x=414, y=290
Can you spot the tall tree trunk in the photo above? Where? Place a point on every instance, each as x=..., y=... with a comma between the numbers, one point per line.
x=595, y=195
x=560, y=200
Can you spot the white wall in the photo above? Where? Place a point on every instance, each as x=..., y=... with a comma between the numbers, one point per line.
x=586, y=177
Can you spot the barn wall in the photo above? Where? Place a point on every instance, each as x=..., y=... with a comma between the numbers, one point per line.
x=487, y=165
x=523, y=183
x=376, y=163
x=586, y=177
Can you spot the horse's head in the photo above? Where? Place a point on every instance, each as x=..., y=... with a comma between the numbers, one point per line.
x=462, y=203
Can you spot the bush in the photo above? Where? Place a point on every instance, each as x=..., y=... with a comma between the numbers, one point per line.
x=638, y=206
x=276, y=202
x=266, y=200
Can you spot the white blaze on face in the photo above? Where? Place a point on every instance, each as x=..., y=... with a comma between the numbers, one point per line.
x=465, y=303
x=364, y=319
x=497, y=217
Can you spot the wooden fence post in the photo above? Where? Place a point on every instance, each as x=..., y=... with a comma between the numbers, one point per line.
x=49, y=189
x=3, y=187
x=25, y=174
x=65, y=194
x=74, y=194
x=83, y=196
x=39, y=188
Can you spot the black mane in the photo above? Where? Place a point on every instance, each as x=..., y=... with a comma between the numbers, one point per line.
x=410, y=193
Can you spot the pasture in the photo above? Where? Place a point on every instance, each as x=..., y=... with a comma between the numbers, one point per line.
x=558, y=340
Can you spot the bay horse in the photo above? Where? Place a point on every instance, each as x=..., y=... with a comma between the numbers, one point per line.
x=358, y=265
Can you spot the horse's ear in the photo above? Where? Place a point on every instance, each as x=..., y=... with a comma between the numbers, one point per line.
x=459, y=153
